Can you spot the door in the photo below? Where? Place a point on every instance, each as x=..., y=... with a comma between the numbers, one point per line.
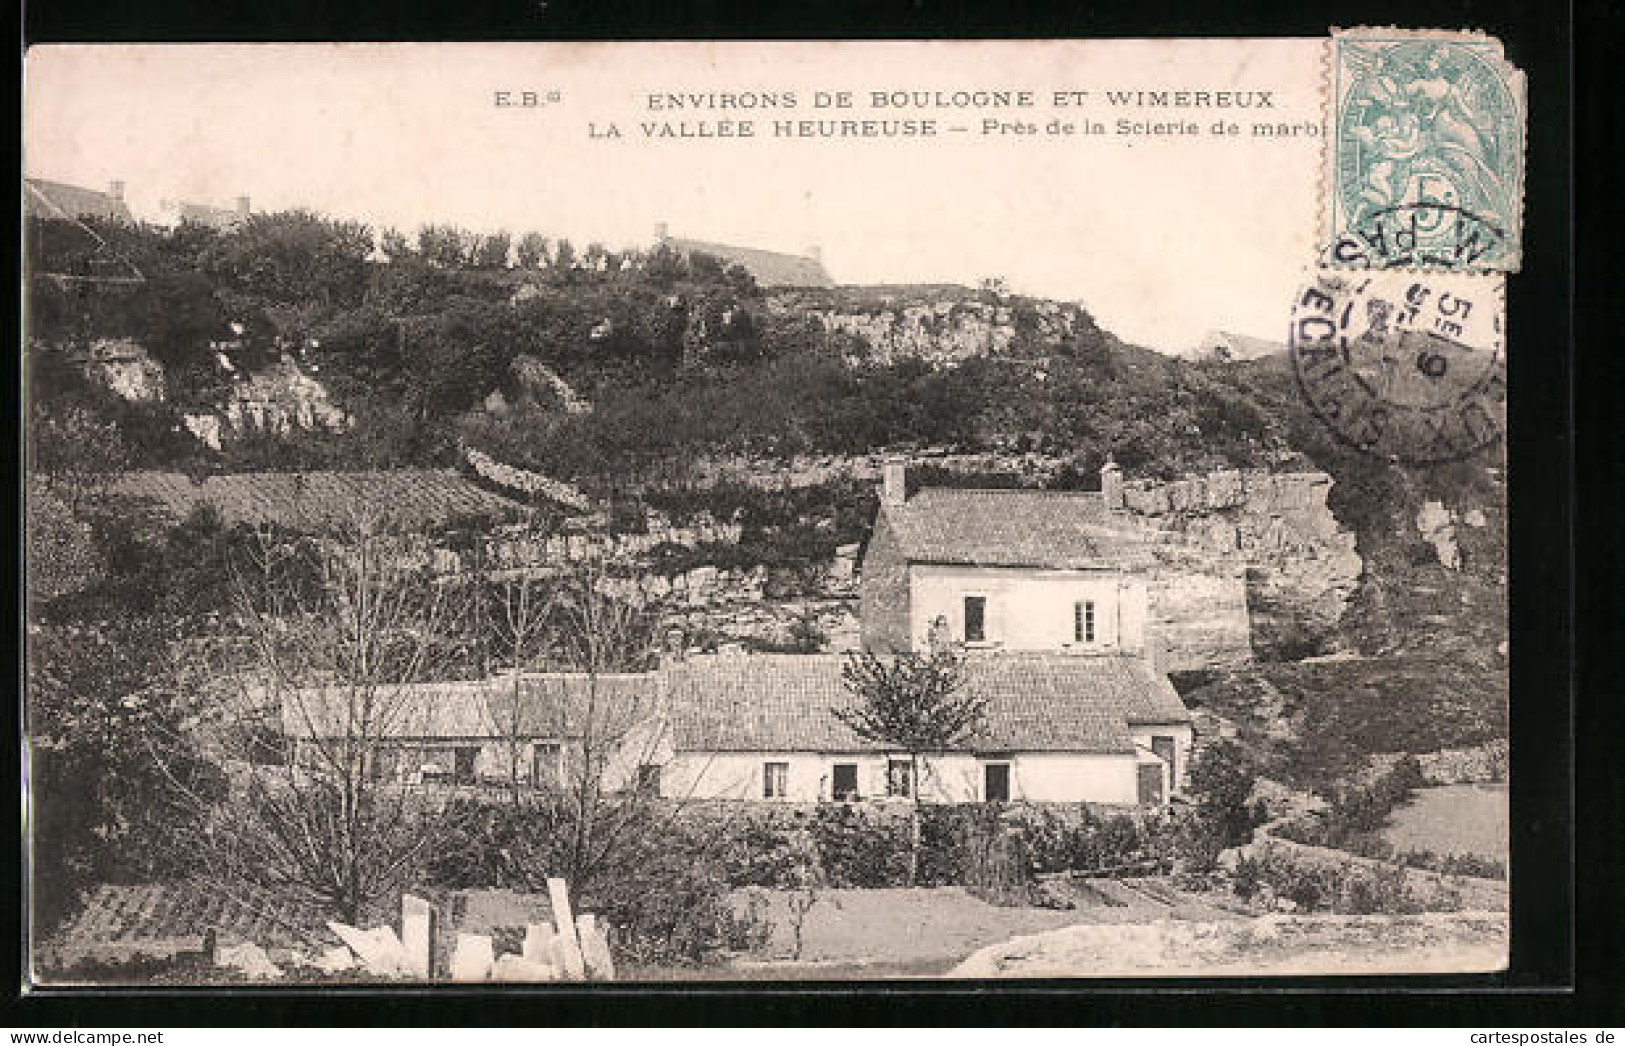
x=464, y=767
x=1150, y=784
x=1164, y=749
x=844, y=782
x=997, y=783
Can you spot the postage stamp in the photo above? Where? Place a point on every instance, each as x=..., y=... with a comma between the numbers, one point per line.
x=1428, y=129
x=1407, y=366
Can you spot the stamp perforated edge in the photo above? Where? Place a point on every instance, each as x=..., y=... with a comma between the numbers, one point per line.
x=1326, y=173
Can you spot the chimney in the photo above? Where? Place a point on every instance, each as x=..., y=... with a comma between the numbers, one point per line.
x=660, y=233
x=1111, y=485
x=115, y=189
x=242, y=206
x=894, y=482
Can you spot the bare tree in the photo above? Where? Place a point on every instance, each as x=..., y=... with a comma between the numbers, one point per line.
x=595, y=634
x=340, y=644
x=914, y=703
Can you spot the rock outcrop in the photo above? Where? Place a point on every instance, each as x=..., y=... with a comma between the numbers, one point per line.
x=1256, y=563
x=942, y=326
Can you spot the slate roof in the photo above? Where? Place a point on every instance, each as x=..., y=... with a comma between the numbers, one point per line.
x=1036, y=703
x=765, y=703
x=1012, y=528
x=321, y=501
x=546, y=705
x=48, y=199
x=770, y=268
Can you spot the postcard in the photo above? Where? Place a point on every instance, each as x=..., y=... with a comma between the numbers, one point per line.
x=650, y=512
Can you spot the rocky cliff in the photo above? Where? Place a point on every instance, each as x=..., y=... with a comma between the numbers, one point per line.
x=940, y=325
x=1250, y=563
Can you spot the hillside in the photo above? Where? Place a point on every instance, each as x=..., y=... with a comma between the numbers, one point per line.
x=665, y=386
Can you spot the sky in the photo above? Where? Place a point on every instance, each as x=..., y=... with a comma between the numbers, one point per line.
x=1164, y=237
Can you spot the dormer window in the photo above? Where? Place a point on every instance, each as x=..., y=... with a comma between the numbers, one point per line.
x=975, y=619
x=1083, y=621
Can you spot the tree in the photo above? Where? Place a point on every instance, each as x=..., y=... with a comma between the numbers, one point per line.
x=1221, y=781
x=105, y=740
x=532, y=250
x=564, y=255
x=342, y=643
x=444, y=246
x=491, y=252
x=590, y=627
x=914, y=703
x=394, y=245
x=293, y=257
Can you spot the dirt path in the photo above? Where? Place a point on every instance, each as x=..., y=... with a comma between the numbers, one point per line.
x=925, y=932
x=1272, y=944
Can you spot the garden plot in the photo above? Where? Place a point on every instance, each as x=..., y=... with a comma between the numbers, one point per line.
x=1453, y=819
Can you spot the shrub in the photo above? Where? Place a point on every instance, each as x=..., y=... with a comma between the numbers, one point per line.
x=664, y=889
x=1342, y=888
x=1359, y=812
x=860, y=848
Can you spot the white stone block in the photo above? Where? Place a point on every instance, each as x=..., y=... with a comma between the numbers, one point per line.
x=248, y=958
x=516, y=969
x=538, y=946
x=417, y=935
x=472, y=957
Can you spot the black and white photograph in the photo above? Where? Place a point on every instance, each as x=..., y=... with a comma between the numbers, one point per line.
x=569, y=513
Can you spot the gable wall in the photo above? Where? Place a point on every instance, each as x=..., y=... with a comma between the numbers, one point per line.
x=884, y=594
x=1031, y=609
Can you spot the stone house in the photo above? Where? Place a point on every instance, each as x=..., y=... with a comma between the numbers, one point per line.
x=47, y=199
x=531, y=729
x=1011, y=570
x=769, y=268
x=1103, y=729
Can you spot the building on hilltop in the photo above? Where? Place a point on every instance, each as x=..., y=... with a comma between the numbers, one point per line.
x=1226, y=346
x=222, y=219
x=48, y=199
x=1005, y=569
x=769, y=268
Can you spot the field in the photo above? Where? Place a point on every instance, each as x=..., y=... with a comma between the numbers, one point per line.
x=1460, y=819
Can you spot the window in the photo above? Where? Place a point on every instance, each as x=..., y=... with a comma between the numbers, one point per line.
x=775, y=780
x=1083, y=621
x=844, y=782
x=975, y=619
x=900, y=778
x=648, y=780
x=547, y=764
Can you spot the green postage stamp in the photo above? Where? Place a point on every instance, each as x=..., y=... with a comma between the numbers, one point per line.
x=1425, y=151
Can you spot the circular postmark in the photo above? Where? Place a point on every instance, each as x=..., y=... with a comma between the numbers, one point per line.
x=1425, y=235
x=1407, y=366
